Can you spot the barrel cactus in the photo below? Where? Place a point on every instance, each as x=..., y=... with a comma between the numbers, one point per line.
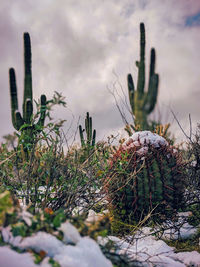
x=145, y=174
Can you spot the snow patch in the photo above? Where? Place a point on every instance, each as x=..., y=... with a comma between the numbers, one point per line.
x=43, y=241
x=26, y=216
x=71, y=234
x=10, y=258
x=189, y=258
x=144, y=139
x=9, y=238
x=85, y=254
x=147, y=137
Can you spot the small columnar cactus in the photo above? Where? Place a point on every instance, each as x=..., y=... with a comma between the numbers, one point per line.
x=90, y=136
x=145, y=174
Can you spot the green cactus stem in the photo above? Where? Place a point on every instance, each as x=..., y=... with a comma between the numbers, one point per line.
x=17, y=119
x=90, y=136
x=143, y=103
x=145, y=178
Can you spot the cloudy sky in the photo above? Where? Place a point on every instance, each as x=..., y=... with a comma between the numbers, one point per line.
x=86, y=48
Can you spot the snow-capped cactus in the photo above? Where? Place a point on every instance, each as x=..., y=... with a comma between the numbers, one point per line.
x=145, y=138
x=145, y=174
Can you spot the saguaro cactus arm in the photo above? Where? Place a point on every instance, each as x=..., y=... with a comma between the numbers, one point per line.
x=141, y=63
x=81, y=136
x=28, y=95
x=131, y=91
x=43, y=102
x=153, y=85
x=93, y=138
x=16, y=116
x=88, y=127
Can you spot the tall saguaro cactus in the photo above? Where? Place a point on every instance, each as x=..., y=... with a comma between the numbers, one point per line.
x=17, y=119
x=142, y=103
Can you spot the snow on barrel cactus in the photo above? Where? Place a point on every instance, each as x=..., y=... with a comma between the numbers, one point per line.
x=145, y=174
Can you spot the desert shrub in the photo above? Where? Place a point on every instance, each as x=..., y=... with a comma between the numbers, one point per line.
x=145, y=174
x=50, y=177
x=40, y=179
x=193, y=158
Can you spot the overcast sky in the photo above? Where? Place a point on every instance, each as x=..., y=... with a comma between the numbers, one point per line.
x=84, y=48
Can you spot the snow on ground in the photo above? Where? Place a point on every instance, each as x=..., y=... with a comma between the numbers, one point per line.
x=183, y=232
x=149, y=250
x=11, y=258
x=43, y=241
x=75, y=251
x=152, y=252
x=189, y=258
x=84, y=252
x=71, y=235
x=176, y=230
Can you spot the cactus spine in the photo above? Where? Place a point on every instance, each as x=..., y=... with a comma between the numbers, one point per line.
x=142, y=103
x=90, y=137
x=17, y=119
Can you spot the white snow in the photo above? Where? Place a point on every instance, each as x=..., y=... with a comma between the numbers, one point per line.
x=147, y=248
x=43, y=241
x=174, y=230
x=11, y=258
x=9, y=238
x=153, y=252
x=145, y=138
x=86, y=252
x=189, y=258
x=26, y=216
x=71, y=234
x=184, y=232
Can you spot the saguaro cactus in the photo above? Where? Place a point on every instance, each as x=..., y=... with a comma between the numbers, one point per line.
x=90, y=137
x=142, y=103
x=17, y=119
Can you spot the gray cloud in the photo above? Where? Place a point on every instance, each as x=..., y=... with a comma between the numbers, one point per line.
x=77, y=45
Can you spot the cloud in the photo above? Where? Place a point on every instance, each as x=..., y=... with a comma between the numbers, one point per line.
x=78, y=46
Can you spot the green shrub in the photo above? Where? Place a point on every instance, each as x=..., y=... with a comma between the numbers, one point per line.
x=50, y=177
x=193, y=157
